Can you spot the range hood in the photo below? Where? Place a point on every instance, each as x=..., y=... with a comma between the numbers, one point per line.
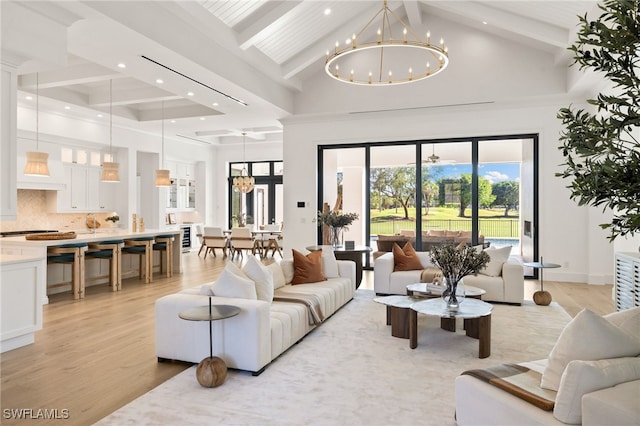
x=45, y=185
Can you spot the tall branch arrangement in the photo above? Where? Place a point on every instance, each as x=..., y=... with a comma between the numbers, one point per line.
x=601, y=152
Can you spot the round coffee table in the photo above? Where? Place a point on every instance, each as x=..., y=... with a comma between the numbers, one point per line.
x=212, y=371
x=476, y=315
x=429, y=290
x=398, y=308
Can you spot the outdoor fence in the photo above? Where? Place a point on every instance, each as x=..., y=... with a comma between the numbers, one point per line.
x=496, y=228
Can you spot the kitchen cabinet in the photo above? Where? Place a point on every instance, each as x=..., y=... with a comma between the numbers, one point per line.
x=21, y=291
x=84, y=191
x=182, y=192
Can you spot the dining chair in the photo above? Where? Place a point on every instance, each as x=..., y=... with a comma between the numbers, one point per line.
x=241, y=239
x=212, y=239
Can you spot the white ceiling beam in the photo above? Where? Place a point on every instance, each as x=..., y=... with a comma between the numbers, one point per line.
x=413, y=13
x=261, y=20
x=188, y=111
x=100, y=97
x=517, y=24
x=75, y=74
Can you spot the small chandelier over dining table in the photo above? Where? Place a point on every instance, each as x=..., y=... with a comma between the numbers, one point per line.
x=386, y=60
x=243, y=183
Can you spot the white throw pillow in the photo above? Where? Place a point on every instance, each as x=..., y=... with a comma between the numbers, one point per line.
x=261, y=276
x=206, y=290
x=627, y=320
x=587, y=337
x=329, y=263
x=498, y=257
x=232, y=285
x=234, y=269
x=287, y=270
x=581, y=377
x=278, y=276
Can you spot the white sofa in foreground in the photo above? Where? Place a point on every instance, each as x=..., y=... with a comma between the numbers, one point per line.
x=262, y=331
x=506, y=286
x=592, y=377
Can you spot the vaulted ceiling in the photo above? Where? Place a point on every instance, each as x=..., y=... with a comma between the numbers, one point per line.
x=214, y=69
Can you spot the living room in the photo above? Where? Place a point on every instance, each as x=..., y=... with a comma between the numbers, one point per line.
x=495, y=86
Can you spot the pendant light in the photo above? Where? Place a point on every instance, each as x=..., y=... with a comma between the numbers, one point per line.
x=110, y=171
x=243, y=183
x=162, y=175
x=37, y=162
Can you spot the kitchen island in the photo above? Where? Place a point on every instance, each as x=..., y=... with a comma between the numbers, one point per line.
x=21, y=279
x=94, y=272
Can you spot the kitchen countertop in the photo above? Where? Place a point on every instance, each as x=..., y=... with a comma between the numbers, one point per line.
x=87, y=236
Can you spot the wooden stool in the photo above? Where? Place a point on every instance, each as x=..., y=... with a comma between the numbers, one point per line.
x=143, y=247
x=164, y=243
x=111, y=250
x=71, y=254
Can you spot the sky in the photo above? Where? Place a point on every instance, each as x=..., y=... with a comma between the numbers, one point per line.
x=493, y=172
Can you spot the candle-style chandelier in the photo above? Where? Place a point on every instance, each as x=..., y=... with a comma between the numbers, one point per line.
x=386, y=60
x=243, y=183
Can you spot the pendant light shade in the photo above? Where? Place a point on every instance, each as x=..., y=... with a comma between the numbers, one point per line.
x=162, y=175
x=37, y=162
x=110, y=170
x=244, y=183
x=162, y=178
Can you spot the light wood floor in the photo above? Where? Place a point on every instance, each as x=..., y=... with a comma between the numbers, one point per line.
x=97, y=354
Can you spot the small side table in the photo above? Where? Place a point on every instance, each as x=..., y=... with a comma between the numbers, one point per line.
x=353, y=254
x=541, y=297
x=212, y=371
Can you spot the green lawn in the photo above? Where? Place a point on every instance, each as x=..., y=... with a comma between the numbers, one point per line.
x=492, y=221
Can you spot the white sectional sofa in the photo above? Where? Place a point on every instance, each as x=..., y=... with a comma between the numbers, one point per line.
x=260, y=333
x=599, y=385
x=507, y=287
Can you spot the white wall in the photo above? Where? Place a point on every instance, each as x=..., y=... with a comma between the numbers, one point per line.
x=569, y=235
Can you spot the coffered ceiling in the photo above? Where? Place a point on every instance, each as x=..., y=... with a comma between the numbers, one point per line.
x=214, y=69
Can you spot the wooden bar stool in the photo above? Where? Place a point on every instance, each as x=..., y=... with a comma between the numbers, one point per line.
x=111, y=250
x=71, y=254
x=143, y=247
x=164, y=243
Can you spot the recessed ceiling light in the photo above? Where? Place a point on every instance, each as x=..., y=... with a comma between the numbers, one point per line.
x=327, y=12
x=29, y=98
x=122, y=65
x=99, y=115
x=215, y=104
x=484, y=22
x=189, y=93
x=173, y=121
x=159, y=80
x=67, y=107
x=202, y=118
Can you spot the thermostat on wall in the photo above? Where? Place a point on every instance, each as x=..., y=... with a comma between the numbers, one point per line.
x=300, y=203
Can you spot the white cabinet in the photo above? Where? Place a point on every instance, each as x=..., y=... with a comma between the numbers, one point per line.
x=182, y=193
x=627, y=280
x=84, y=191
x=21, y=291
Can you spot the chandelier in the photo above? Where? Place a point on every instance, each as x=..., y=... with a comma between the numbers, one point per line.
x=387, y=60
x=37, y=162
x=163, y=175
x=110, y=169
x=243, y=183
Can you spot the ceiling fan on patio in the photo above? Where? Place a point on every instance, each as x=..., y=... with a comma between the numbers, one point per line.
x=434, y=159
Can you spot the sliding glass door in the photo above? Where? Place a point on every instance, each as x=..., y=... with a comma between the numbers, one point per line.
x=480, y=191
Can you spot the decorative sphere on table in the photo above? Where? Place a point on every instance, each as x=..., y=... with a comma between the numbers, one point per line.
x=211, y=372
x=542, y=298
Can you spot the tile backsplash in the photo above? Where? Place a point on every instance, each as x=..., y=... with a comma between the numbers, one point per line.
x=33, y=214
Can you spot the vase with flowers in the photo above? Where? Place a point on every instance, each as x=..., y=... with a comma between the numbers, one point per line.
x=455, y=264
x=337, y=223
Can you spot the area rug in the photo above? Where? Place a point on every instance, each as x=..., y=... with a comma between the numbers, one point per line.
x=350, y=370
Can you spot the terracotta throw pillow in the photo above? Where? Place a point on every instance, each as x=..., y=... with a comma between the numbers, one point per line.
x=307, y=269
x=406, y=258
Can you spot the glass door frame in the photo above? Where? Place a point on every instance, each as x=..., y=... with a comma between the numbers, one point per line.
x=418, y=196
x=271, y=181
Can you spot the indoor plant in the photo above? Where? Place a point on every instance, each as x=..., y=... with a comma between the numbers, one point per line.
x=113, y=219
x=601, y=149
x=455, y=264
x=337, y=222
